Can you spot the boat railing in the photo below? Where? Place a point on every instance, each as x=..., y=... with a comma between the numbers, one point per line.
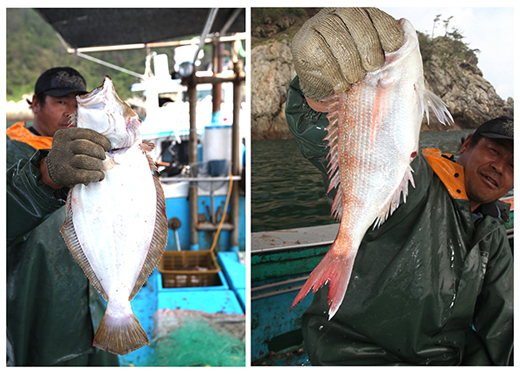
x=201, y=179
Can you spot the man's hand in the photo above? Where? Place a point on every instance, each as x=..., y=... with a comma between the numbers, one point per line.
x=336, y=47
x=76, y=157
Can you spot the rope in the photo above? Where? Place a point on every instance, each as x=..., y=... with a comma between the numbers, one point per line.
x=223, y=214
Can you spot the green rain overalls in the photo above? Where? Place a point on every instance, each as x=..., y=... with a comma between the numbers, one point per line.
x=52, y=311
x=431, y=286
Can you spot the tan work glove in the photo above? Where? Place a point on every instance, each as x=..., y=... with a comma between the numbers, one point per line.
x=77, y=156
x=336, y=47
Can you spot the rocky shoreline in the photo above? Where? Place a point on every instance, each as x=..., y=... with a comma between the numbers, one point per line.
x=450, y=69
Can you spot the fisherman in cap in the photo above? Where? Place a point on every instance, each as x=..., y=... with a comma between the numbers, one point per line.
x=434, y=284
x=52, y=311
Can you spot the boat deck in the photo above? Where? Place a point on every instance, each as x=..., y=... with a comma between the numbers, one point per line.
x=224, y=299
x=280, y=264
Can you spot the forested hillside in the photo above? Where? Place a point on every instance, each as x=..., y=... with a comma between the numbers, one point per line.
x=32, y=46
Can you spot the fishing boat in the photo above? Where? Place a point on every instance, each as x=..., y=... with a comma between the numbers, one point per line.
x=198, y=289
x=281, y=262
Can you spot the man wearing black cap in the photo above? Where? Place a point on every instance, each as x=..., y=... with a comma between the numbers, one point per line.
x=433, y=285
x=486, y=178
x=52, y=311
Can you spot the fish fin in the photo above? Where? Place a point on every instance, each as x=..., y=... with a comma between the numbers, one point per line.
x=337, y=206
x=395, y=199
x=71, y=239
x=438, y=107
x=147, y=146
x=333, y=155
x=120, y=335
x=335, y=270
x=151, y=163
x=73, y=120
x=160, y=234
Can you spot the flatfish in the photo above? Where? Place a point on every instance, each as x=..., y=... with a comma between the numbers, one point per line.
x=116, y=229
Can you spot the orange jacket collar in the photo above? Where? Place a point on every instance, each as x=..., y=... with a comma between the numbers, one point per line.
x=19, y=132
x=449, y=172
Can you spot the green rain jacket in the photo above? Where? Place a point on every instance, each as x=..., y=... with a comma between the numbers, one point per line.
x=431, y=286
x=52, y=311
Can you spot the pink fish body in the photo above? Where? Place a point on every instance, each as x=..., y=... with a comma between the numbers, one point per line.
x=116, y=229
x=373, y=137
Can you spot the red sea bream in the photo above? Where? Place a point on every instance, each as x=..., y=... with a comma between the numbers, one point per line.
x=116, y=229
x=373, y=136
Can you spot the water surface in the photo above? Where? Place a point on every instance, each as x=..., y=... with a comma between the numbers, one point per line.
x=287, y=191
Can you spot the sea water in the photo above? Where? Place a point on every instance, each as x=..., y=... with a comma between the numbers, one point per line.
x=287, y=191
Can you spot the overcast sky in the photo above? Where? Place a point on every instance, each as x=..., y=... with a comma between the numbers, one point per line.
x=488, y=29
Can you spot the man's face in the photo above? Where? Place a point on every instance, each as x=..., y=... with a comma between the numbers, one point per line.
x=488, y=169
x=54, y=114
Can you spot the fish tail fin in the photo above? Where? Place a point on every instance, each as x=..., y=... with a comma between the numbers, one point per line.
x=120, y=335
x=335, y=270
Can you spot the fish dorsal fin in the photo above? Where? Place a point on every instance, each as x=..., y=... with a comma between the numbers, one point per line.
x=71, y=239
x=333, y=155
x=160, y=234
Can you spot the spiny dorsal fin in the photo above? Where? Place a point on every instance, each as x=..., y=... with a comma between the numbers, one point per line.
x=333, y=156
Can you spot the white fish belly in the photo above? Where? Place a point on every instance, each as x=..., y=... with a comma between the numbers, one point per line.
x=114, y=221
x=378, y=137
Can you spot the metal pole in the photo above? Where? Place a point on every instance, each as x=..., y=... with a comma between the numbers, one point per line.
x=173, y=43
x=101, y=62
x=193, y=160
x=235, y=155
x=216, y=90
x=209, y=22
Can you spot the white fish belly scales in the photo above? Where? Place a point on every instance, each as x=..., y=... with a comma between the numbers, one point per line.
x=126, y=210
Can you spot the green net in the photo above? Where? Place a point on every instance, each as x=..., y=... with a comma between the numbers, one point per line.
x=194, y=338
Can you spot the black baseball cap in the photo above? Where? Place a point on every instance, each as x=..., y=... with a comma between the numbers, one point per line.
x=498, y=128
x=60, y=81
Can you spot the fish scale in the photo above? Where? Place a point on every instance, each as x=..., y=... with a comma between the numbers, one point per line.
x=373, y=136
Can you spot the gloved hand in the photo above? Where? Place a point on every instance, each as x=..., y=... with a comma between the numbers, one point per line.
x=77, y=156
x=337, y=46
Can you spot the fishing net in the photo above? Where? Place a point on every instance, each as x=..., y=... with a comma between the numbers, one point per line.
x=195, y=338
